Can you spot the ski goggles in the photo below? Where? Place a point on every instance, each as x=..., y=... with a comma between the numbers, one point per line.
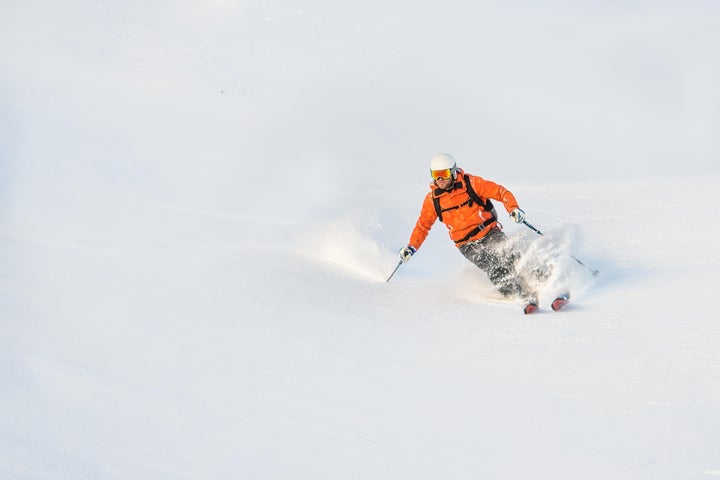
x=445, y=173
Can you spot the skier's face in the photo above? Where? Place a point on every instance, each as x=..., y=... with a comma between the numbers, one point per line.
x=444, y=183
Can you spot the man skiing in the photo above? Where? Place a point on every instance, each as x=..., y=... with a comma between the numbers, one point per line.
x=462, y=202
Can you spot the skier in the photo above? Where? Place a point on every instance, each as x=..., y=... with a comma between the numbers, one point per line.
x=462, y=202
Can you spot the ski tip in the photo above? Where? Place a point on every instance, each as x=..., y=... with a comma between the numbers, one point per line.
x=530, y=308
x=560, y=302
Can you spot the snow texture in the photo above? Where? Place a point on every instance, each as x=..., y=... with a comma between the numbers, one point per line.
x=200, y=202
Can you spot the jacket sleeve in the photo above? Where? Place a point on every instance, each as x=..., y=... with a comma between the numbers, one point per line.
x=424, y=223
x=494, y=191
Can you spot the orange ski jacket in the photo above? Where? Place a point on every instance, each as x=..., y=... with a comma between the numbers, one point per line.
x=465, y=219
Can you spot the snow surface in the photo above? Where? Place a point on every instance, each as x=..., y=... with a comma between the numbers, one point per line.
x=200, y=202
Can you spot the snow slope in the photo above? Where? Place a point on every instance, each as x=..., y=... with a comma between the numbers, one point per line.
x=201, y=200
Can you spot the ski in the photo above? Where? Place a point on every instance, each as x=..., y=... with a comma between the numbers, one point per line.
x=530, y=308
x=560, y=301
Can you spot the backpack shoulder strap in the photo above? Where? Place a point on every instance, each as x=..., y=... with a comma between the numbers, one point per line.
x=436, y=200
x=486, y=204
x=436, y=204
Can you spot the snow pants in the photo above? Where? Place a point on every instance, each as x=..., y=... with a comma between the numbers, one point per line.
x=493, y=256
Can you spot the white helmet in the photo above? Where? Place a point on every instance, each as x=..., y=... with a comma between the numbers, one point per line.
x=443, y=161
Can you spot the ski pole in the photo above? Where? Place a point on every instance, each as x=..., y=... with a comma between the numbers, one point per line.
x=532, y=228
x=393, y=272
x=594, y=272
